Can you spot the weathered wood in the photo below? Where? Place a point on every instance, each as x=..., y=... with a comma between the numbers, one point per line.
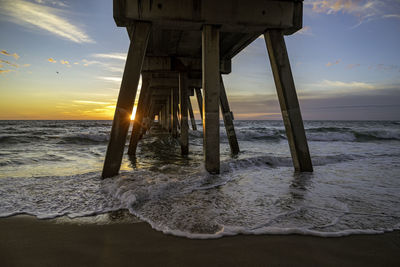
x=166, y=64
x=192, y=120
x=228, y=120
x=175, y=97
x=232, y=16
x=139, y=116
x=168, y=112
x=148, y=113
x=183, y=99
x=126, y=99
x=288, y=100
x=211, y=87
x=199, y=101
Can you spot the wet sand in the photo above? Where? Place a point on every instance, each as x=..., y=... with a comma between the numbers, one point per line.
x=25, y=241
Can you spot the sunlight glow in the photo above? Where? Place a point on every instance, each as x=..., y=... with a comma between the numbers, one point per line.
x=133, y=113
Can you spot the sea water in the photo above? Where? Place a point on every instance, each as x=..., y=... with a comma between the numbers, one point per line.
x=50, y=169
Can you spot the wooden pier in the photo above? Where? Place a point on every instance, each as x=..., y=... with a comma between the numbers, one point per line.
x=183, y=48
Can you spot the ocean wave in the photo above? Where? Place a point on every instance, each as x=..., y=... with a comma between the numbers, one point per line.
x=84, y=139
x=324, y=134
x=32, y=160
x=191, y=203
x=18, y=139
x=274, y=161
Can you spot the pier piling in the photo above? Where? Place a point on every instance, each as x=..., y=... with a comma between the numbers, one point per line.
x=138, y=120
x=126, y=98
x=228, y=120
x=211, y=87
x=183, y=99
x=288, y=101
x=199, y=101
x=192, y=120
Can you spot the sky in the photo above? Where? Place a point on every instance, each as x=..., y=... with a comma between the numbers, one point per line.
x=65, y=59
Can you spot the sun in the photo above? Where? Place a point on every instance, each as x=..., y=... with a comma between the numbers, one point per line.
x=133, y=113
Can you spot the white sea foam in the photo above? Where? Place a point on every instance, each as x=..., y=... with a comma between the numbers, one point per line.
x=354, y=188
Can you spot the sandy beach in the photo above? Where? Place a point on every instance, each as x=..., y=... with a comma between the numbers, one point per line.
x=26, y=241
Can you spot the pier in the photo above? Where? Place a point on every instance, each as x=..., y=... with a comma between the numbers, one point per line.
x=183, y=48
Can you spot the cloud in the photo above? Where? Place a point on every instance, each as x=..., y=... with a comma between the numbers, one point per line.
x=110, y=66
x=51, y=2
x=9, y=63
x=15, y=55
x=352, y=66
x=364, y=10
x=90, y=62
x=43, y=17
x=121, y=56
x=329, y=64
x=344, y=6
x=339, y=84
x=386, y=67
x=306, y=30
x=112, y=79
x=90, y=102
x=52, y=60
x=5, y=71
x=395, y=16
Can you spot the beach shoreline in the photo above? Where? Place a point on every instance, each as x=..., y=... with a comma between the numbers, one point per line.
x=27, y=241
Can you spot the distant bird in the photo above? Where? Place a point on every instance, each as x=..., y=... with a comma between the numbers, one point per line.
x=57, y=72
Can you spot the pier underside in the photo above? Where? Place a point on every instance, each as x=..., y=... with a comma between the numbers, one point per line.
x=182, y=48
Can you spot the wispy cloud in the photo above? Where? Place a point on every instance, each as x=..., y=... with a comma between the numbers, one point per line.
x=113, y=62
x=364, y=10
x=90, y=62
x=15, y=55
x=386, y=67
x=306, y=30
x=329, y=64
x=352, y=66
x=394, y=16
x=9, y=63
x=91, y=102
x=111, y=79
x=121, y=56
x=340, y=84
x=52, y=2
x=46, y=18
x=5, y=71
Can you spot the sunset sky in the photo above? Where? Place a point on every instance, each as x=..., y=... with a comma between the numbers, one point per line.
x=64, y=60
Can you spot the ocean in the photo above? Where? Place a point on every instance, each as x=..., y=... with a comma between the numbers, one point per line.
x=52, y=169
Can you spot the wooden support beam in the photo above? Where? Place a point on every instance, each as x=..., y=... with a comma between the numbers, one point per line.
x=199, y=101
x=192, y=120
x=171, y=109
x=228, y=120
x=140, y=112
x=164, y=117
x=168, y=112
x=288, y=100
x=175, y=97
x=211, y=87
x=126, y=99
x=148, y=113
x=183, y=99
x=146, y=123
